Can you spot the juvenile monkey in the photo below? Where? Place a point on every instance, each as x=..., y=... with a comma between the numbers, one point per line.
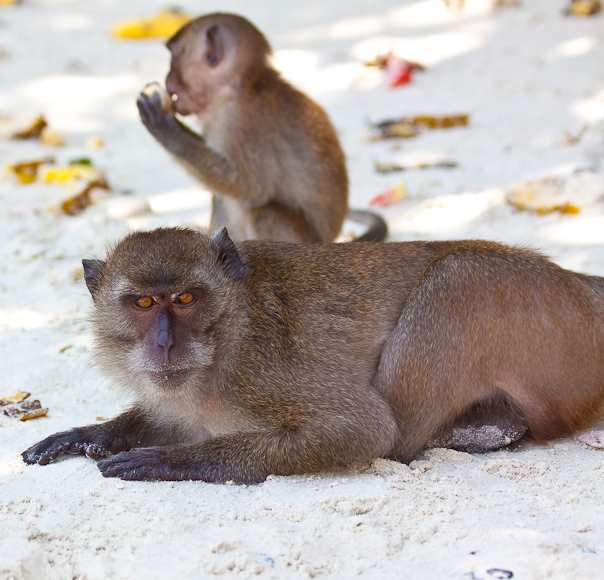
x=263, y=358
x=268, y=153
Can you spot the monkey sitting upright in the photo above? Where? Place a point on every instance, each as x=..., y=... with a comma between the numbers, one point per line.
x=268, y=153
x=263, y=358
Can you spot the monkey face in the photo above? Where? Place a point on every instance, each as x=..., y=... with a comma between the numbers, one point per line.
x=165, y=324
x=212, y=58
x=157, y=299
x=188, y=99
x=196, y=68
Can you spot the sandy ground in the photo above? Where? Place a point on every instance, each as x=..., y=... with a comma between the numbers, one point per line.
x=528, y=76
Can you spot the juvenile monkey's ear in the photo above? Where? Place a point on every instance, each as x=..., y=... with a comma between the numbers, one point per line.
x=93, y=274
x=214, y=46
x=227, y=254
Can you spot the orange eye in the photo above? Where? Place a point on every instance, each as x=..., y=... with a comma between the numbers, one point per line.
x=145, y=301
x=185, y=298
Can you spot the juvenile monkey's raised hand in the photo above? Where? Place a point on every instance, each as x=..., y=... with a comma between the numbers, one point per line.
x=165, y=127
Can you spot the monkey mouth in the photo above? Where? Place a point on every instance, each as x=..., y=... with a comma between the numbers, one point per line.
x=169, y=377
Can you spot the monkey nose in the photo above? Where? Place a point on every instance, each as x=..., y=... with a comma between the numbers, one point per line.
x=164, y=340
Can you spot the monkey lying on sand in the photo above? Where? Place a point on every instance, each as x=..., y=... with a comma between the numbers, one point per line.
x=263, y=358
x=268, y=153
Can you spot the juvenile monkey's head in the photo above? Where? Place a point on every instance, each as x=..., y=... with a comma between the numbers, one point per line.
x=214, y=54
x=164, y=302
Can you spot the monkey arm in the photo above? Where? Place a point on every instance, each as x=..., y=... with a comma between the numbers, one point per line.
x=130, y=429
x=191, y=150
x=331, y=442
x=246, y=458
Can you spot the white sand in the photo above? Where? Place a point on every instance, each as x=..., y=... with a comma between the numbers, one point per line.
x=526, y=76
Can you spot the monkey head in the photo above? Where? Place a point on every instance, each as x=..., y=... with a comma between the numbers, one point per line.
x=157, y=299
x=212, y=57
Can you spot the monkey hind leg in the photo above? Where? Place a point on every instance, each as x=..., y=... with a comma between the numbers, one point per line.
x=445, y=356
x=277, y=222
x=485, y=426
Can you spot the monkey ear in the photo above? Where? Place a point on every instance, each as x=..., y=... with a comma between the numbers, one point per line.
x=214, y=46
x=227, y=253
x=93, y=274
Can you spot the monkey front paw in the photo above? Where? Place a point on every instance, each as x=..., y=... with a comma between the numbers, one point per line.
x=160, y=124
x=140, y=464
x=72, y=442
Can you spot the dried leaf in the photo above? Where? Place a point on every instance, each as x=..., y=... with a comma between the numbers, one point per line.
x=390, y=196
x=95, y=143
x=165, y=24
x=27, y=171
x=388, y=167
x=14, y=399
x=69, y=173
x=393, y=167
x=447, y=122
x=26, y=411
x=407, y=127
x=584, y=7
x=33, y=131
x=574, y=139
x=51, y=138
x=403, y=129
x=455, y=4
x=542, y=197
x=79, y=202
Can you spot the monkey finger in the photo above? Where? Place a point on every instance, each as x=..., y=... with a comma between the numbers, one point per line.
x=134, y=465
x=143, y=108
x=152, y=106
x=96, y=451
x=146, y=107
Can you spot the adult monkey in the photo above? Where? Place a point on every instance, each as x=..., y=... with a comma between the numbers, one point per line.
x=259, y=357
x=268, y=153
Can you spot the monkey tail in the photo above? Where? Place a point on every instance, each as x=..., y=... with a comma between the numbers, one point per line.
x=377, y=230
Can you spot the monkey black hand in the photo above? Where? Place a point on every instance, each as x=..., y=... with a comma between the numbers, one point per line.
x=74, y=442
x=141, y=464
x=163, y=126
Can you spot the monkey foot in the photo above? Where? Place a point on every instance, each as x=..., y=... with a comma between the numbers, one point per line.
x=472, y=439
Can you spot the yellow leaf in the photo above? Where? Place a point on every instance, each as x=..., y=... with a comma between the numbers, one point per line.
x=165, y=24
x=58, y=174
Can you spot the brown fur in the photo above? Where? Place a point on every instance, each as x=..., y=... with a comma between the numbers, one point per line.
x=301, y=358
x=269, y=153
